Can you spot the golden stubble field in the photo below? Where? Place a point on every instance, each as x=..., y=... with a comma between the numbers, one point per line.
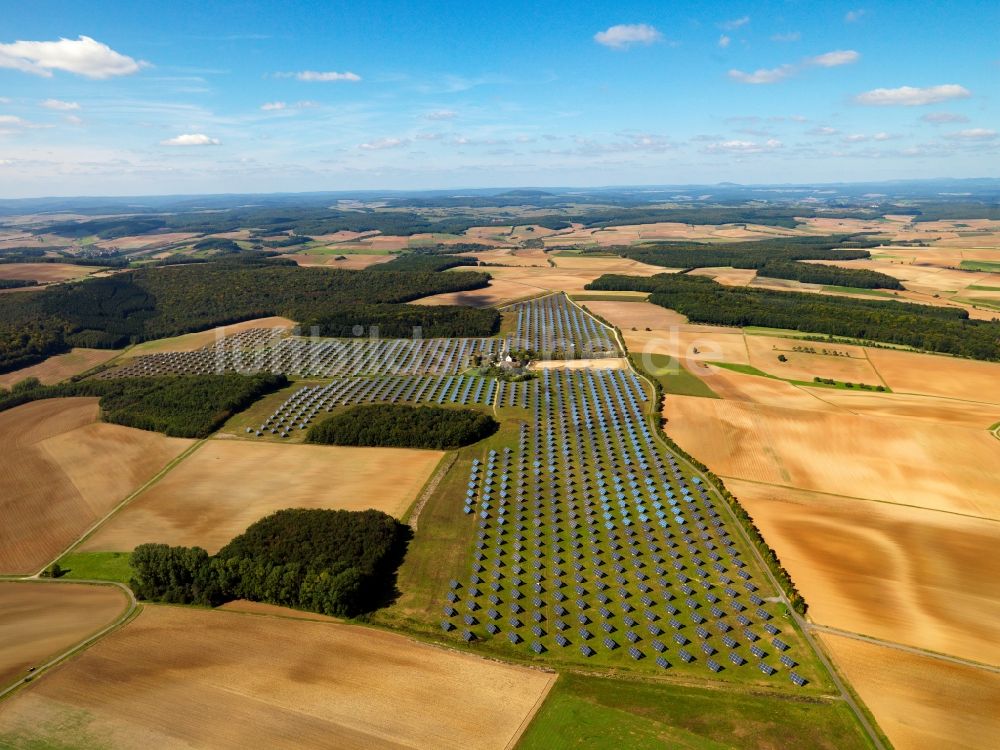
x=921, y=702
x=190, y=341
x=61, y=470
x=228, y=484
x=41, y=620
x=44, y=273
x=61, y=366
x=179, y=677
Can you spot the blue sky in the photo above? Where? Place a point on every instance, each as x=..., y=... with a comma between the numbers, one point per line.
x=103, y=98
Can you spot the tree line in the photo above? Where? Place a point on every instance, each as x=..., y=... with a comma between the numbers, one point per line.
x=937, y=329
x=401, y=426
x=334, y=562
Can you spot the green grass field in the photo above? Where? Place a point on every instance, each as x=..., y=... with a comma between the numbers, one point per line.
x=992, y=266
x=101, y=566
x=674, y=377
x=613, y=714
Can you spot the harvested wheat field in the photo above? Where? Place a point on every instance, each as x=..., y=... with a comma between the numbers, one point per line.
x=884, y=570
x=908, y=462
x=42, y=620
x=499, y=292
x=274, y=610
x=728, y=276
x=191, y=341
x=938, y=375
x=507, y=256
x=62, y=366
x=737, y=386
x=61, y=470
x=226, y=485
x=44, y=273
x=348, y=262
x=809, y=359
x=921, y=702
x=572, y=280
x=193, y=678
x=933, y=409
x=642, y=315
x=608, y=363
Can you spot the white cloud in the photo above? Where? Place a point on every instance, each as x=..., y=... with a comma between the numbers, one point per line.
x=724, y=41
x=60, y=105
x=834, y=59
x=320, y=76
x=191, y=139
x=743, y=147
x=273, y=106
x=441, y=114
x=74, y=120
x=382, y=143
x=624, y=35
x=938, y=118
x=973, y=134
x=763, y=75
x=855, y=138
x=911, y=96
x=791, y=36
x=11, y=120
x=852, y=16
x=773, y=75
x=883, y=136
x=735, y=23
x=823, y=130
x=83, y=56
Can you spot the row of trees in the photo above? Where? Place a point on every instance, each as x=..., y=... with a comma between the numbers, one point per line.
x=937, y=329
x=190, y=406
x=401, y=426
x=335, y=562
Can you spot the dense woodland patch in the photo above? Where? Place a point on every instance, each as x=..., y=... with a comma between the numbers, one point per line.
x=335, y=562
x=154, y=303
x=777, y=258
x=423, y=261
x=190, y=406
x=938, y=329
x=400, y=426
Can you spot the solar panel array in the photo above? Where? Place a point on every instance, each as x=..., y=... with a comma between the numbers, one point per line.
x=555, y=328
x=590, y=517
x=315, y=357
x=303, y=406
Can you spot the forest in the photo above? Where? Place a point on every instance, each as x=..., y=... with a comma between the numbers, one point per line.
x=399, y=426
x=946, y=330
x=190, y=406
x=17, y=283
x=151, y=303
x=424, y=262
x=776, y=258
x=399, y=321
x=334, y=562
